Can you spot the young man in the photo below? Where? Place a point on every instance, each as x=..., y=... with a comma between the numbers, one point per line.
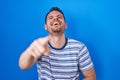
x=58, y=57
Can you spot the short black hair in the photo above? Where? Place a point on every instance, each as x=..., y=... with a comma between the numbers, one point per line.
x=54, y=9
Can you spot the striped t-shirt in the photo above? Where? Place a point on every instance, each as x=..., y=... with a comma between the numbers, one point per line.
x=64, y=63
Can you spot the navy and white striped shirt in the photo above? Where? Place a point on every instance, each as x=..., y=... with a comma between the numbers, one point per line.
x=64, y=63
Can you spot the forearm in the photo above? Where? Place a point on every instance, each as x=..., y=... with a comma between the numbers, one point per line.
x=26, y=60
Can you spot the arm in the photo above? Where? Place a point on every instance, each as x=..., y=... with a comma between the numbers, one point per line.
x=89, y=74
x=33, y=52
x=27, y=60
x=86, y=64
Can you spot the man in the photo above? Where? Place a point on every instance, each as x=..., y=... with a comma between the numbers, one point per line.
x=58, y=57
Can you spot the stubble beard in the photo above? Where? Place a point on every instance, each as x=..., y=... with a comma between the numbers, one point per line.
x=56, y=28
x=57, y=31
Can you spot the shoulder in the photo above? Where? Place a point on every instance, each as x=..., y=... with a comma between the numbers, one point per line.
x=75, y=42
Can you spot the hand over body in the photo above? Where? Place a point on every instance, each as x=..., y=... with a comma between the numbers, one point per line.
x=33, y=52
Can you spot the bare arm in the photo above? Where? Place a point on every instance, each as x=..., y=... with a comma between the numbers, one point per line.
x=33, y=52
x=89, y=74
x=26, y=60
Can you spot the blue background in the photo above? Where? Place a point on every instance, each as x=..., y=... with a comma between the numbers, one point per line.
x=94, y=22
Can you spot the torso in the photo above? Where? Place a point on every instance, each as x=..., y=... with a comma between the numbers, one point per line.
x=60, y=64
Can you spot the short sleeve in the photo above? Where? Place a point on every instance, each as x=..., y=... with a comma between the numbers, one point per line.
x=85, y=62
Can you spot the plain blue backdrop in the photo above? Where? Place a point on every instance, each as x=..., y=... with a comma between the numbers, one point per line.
x=94, y=22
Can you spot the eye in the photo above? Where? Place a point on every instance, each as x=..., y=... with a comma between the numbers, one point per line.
x=50, y=17
x=59, y=16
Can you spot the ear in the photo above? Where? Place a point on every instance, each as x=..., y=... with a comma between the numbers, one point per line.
x=45, y=27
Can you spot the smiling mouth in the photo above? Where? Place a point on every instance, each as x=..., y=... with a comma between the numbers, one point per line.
x=56, y=23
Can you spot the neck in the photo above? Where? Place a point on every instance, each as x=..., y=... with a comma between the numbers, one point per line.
x=57, y=41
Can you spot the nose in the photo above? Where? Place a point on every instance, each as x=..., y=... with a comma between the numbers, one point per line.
x=56, y=19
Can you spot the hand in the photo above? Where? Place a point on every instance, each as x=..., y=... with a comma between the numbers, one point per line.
x=39, y=47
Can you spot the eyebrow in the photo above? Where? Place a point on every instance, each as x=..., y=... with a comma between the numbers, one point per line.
x=56, y=15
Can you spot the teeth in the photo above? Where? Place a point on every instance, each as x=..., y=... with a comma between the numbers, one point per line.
x=56, y=23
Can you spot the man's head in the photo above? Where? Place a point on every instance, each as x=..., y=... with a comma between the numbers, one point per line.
x=54, y=9
x=55, y=21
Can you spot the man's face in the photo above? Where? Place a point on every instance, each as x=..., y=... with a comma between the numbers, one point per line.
x=55, y=23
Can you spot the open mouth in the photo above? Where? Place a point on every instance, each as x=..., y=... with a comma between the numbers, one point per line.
x=56, y=23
